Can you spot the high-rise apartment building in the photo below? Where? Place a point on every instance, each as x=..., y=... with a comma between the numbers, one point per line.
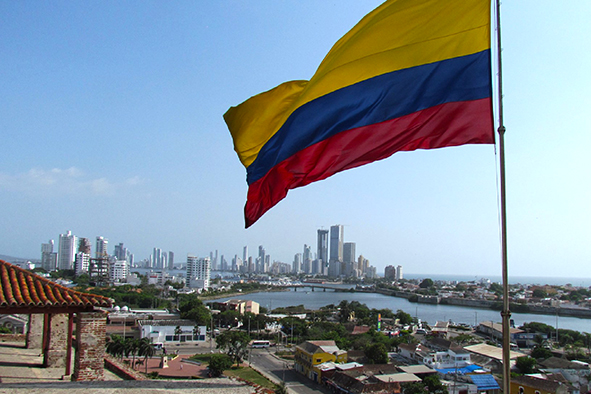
x=48, y=256
x=261, y=260
x=245, y=256
x=337, y=236
x=67, y=251
x=82, y=263
x=399, y=273
x=198, y=272
x=100, y=250
x=120, y=252
x=307, y=259
x=118, y=270
x=84, y=246
x=297, y=263
x=170, y=260
x=390, y=272
x=157, y=260
x=322, y=246
x=349, y=252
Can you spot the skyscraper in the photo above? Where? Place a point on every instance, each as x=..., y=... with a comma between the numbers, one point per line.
x=322, y=246
x=349, y=252
x=261, y=260
x=48, y=256
x=198, y=272
x=82, y=262
x=399, y=273
x=120, y=252
x=307, y=259
x=157, y=258
x=67, y=251
x=390, y=272
x=337, y=236
x=100, y=250
x=349, y=263
x=170, y=260
x=297, y=263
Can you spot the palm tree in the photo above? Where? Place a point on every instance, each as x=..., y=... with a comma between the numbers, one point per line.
x=177, y=333
x=131, y=347
x=146, y=350
x=115, y=346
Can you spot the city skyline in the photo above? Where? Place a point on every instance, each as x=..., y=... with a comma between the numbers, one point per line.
x=160, y=259
x=113, y=125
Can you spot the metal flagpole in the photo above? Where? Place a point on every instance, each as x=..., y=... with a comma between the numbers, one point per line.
x=506, y=313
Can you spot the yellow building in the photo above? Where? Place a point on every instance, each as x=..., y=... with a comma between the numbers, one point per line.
x=310, y=354
x=533, y=385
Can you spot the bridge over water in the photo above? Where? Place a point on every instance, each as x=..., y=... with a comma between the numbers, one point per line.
x=318, y=287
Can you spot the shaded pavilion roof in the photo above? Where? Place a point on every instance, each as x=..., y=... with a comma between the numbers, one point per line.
x=22, y=291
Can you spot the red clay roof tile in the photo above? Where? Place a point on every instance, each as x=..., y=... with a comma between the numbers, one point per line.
x=20, y=288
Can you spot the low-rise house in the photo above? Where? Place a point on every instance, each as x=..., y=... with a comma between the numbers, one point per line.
x=534, y=385
x=414, y=352
x=171, y=331
x=495, y=331
x=440, y=329
x=575, y=372
x=310, y=354
x=15, y=323
x=376, y=378
x=422, y=371
x=528, y=339
x=355, y=382
x=240, y=306
x=490, y=357
x=446, y=355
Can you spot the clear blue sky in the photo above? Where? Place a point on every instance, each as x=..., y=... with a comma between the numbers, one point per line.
x=111, y=124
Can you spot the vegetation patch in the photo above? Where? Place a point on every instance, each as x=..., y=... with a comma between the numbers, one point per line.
x=250, y=375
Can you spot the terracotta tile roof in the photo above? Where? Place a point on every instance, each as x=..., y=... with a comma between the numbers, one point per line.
x=22, y=289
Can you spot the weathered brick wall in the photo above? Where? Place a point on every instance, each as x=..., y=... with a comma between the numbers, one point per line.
x=55, y=356
x=90, y=350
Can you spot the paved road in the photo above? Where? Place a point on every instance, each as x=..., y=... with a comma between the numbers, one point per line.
x=265, y=360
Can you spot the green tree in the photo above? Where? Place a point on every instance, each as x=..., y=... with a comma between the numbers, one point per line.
x=403, y=317
x=235, y=344
x=218, y=363
x=229, y=318
x=413, y=388
x=539, y=352
x=525, y=364
x=377, y=353
x=192, y=308
x=82, y=280
x=496, y=288
x=116, y=346
x=539, y=293
x=426, y=283
x=146, y=350
x=434, y=385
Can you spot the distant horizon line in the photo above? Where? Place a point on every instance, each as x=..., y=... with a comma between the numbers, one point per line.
x=567, y=279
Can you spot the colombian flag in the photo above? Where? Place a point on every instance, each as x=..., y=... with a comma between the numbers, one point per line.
x=412, y=74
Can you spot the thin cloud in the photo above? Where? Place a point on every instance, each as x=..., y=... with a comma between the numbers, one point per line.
x=57, y=181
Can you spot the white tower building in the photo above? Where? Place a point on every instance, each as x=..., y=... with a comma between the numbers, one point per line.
x=198, y=272
x=67, y=251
